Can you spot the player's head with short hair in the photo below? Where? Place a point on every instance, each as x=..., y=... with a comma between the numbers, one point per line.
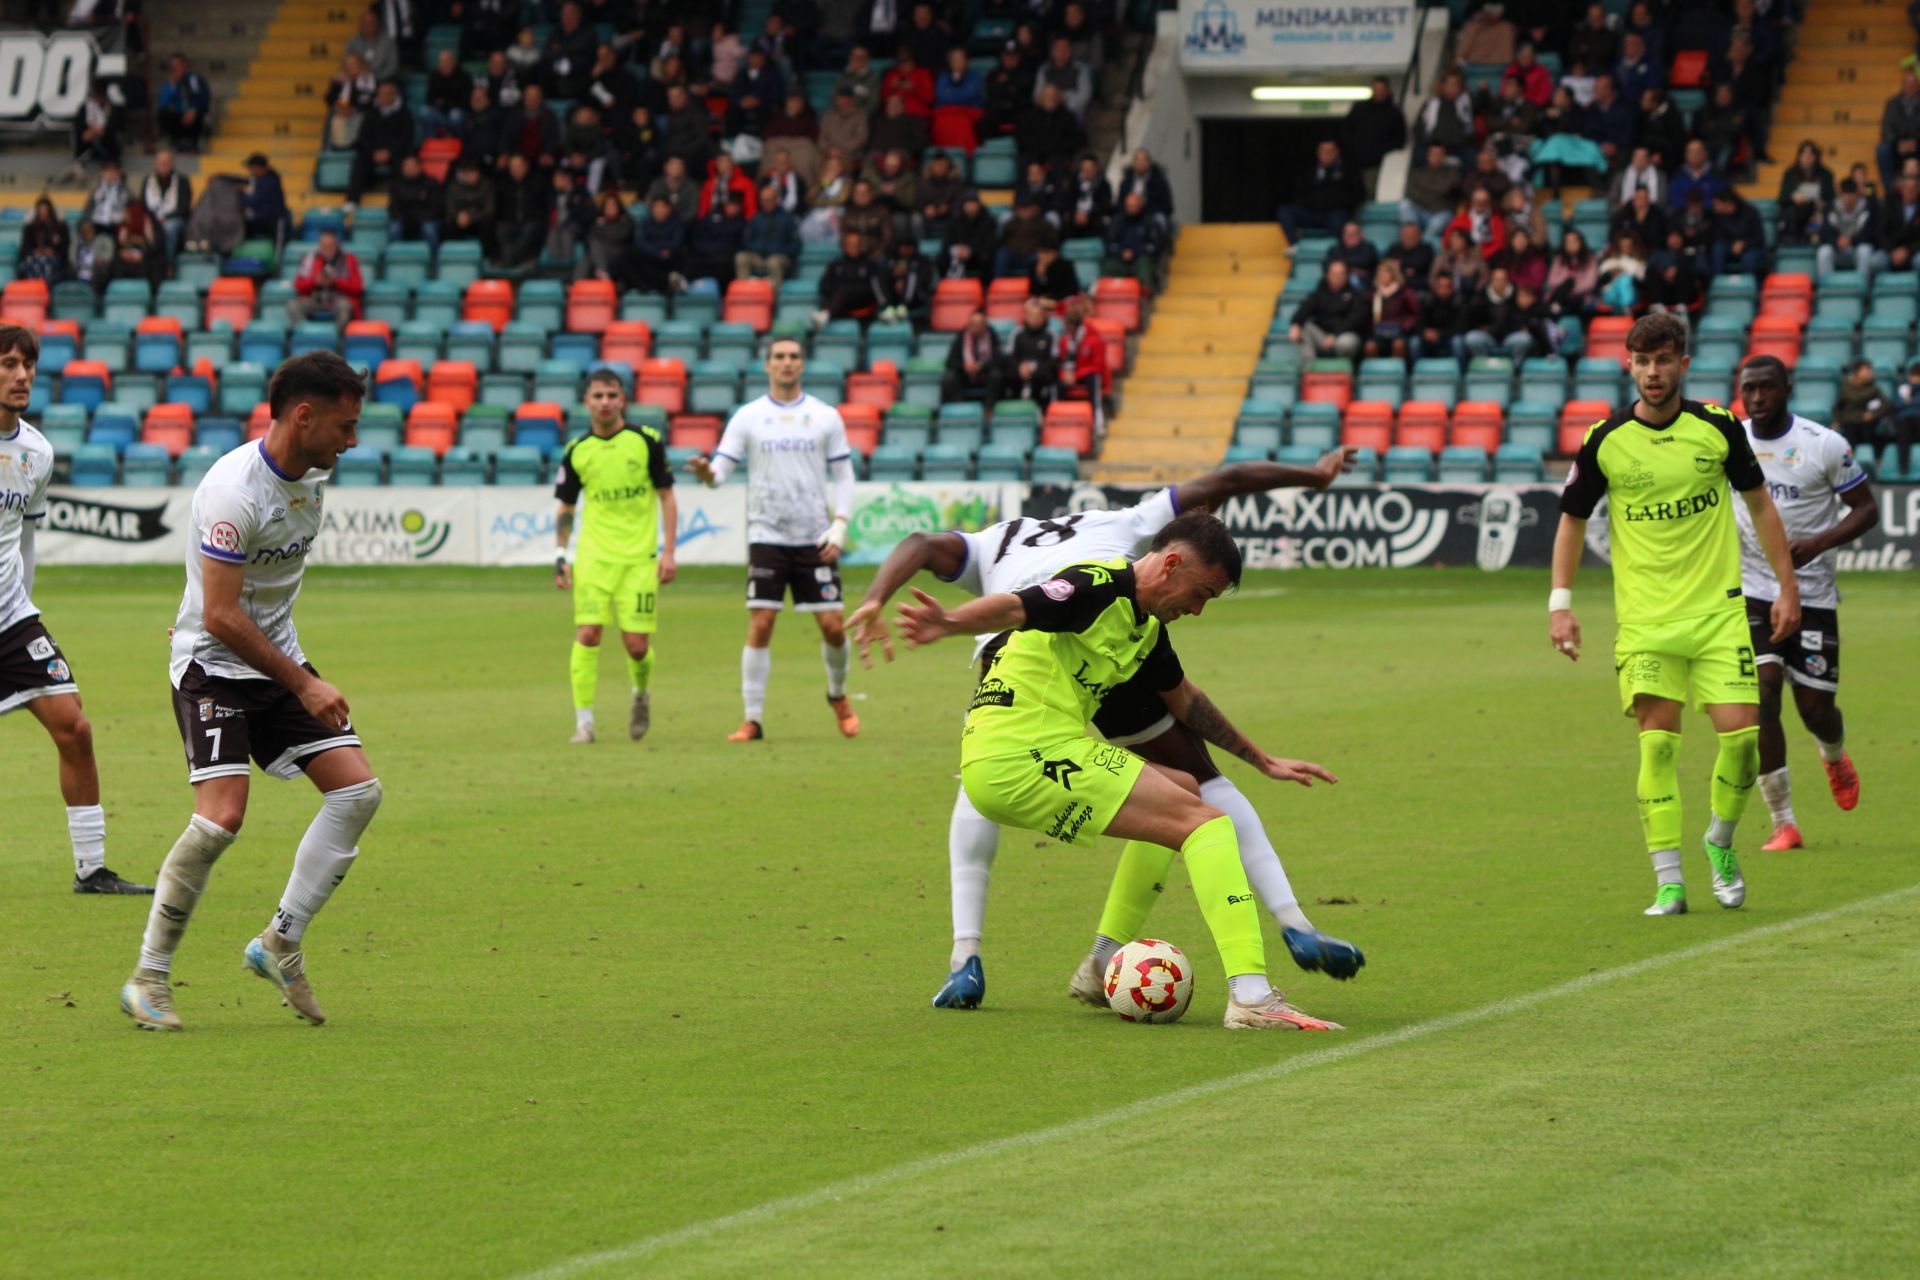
x=786, y=361
x=606, y=398
x=1193, y=559
x=1764, y=382
x=317, y=396
x=16, y=338
x=19, y=354
x=1657, y=359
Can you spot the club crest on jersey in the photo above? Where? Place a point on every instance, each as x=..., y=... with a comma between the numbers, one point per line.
x=206, y=710
x=40, y=648
x=1058, y=590
x=1703, y=465
x=59, y=670
x=224, y=537
x=1792, y=456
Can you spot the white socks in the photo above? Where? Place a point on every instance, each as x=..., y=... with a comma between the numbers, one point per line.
x=1104, y=948
x=87, y=829
x=1666, y=866
x=1778, y=790
x=325, y=855
x=1249, y=988
x=836, y=660
x=755, y=666
x=1720, y=831
x=1257, y=855
x=1832, y=752
x=971, y=843
x=583, y=717
x=183, y=878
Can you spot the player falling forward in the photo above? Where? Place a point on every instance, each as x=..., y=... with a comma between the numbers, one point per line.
x=619, y=566
x=1025, y=759
x=1022, y=552
x=1664, y=466
x=33, y=672
x=1824, y=501
x=794, y=447
x=242, y=687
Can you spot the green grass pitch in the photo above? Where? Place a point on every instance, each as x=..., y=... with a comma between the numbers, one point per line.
x=662, y=1009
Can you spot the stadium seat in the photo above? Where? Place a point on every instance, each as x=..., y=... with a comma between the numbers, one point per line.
x=749, y=302
x=863, y=426
x=1477, y=420
x=157, y=344
x=953, y=302
x=360, y=467
x=436, y=304
x=1007, y=298
x=1516, y=464
x=195, y=390
x=875, y=389
x=195, y=463
x=1367, y=424
x=501, y=390
x=399, y=382
x=221, y=434
x=626, y=340
x=170, y=426
x=413, y=464
x=263, y=344
x=893, y=462
x=454, y=383
x=463, y=468
x=1422, y=424
x=1435, y=378
x=242, y=386
x=145, y=466
x=387, y=299
x=432, y=424
x=662, y=383
x=1462, y=464
x=489, y=302
x=1068, y=424
x=94, y=466
x=85, y=382
x=1324, y=387
x=542, y=303
x=1405, y=465
x=259, y=421
x=27, y=303
x=517, y=464
x=1001, y=462
x=312, y=335
x=1575, y=418
x=1053, y=466
x=1779, y=336
x=697, y=431
x=1118, y=298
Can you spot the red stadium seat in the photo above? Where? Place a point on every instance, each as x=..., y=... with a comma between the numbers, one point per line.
x=541, y=411
x=955, y=127
x=169, y=325
x=489, y=301
x=1007, y=298
x=662, y=382
x=232, y=299
x=953, y=302
x=1607, y=338
x=437, y=156
x=1689, y=69
x=591, y=306
x=25, y=302
x=455, y=383
x=1118, y=298
x=1326, y=388
x=433, y=424
x=863, y=426
x=169, y=426
x=1367, y=424
x=629, y=341
x=1068, y=425
x=395, y=370
x=1575, y=419
x=258, y=421
x=1775, y=335
x=875, y=389
x=749, y=302
x=1419, y=421
x=1478, y=422
x=695, y=431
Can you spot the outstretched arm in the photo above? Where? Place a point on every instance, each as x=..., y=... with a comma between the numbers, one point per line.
x=1257, y=477
x=945, y=554
x=928, y=620
x=1191, y=706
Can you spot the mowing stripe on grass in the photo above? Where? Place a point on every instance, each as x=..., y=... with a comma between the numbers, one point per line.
x=861, y=1184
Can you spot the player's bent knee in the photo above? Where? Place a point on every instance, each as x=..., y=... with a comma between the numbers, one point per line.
x=636, y=644
x=1180, y=778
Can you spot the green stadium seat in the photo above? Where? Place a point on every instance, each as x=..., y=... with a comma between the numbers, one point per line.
x=360, y=467
x=95, y=466
x=411, y=465
x=893, y=462
x=1054, y=466
x=462, y=467
x=946, y=462
x=1002, y=462
x=1462, y=464
x=518, y=464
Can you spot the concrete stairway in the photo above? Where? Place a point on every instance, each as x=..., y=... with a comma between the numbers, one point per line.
x=1845, y=68
x=1190, y=373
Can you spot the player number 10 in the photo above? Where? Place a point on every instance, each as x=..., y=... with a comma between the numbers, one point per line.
x=643, y=602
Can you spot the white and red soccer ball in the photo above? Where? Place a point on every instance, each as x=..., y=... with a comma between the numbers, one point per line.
x=1149, y=981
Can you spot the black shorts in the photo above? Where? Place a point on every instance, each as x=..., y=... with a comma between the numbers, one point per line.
x=223, y=722
x=1811, y=655
x=31, y=666
x=1130, y=714
x=774, y=570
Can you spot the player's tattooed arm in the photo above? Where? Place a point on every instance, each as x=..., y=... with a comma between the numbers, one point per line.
x=1193, y=708
x=563, y=538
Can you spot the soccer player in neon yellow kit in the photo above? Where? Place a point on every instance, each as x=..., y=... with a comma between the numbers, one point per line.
x=1025, y=757
x=620, y=565
x=1664, y=465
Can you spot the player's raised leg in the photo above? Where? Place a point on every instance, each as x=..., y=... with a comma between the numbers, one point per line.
x=219, y=807
x=1820, y=711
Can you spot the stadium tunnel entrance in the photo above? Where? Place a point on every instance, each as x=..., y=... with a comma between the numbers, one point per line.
x=1250, y=167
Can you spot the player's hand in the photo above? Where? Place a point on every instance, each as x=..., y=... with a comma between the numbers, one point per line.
x=1804, y=552
x=324, y=703
x=702, y=468
x=1301, y=771
x=668, y=569
x=563, y=576
x=1333, y=462
x=923, y=622
x=869, y=626
x=1564, y=630
x=832, y=541
x=1786, y=617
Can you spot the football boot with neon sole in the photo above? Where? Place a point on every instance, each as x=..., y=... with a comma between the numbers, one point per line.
x=1785, y=836
x=1729, y=888
x=843, y=713
x=1089, y=983
x=1317, y=952
x=1844, y=780
x=287, y=971
x=1273, y=1014
x=964, y=988
x=749, y=731
x=148, y=1000
x=1670, y=901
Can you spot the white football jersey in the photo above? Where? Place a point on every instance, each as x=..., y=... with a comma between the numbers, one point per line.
x=26, y=463
x=1807, y=468
x=246, y=511
x=785, y=449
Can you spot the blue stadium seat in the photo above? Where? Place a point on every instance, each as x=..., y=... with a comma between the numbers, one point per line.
x=1003, y=462
x=1462, y=464
x=462, y=468
x=191, y=389
x=95, y=466
x=518, y=464
x=145, y=466
x=360, y=467
x=219, y=433
x=242, y=386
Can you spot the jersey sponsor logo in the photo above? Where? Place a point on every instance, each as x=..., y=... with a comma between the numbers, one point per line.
x=1778, y=490
x=1058, y=590
x=1682, y=509
x=40, y=648
x=624, y=493
x=992, y=692
x=1635, y=476
x=280, y=555
x=1094, y=687
x=1060, y=771
x=1662, y=440
x=790, y=444
x=224, y=536
x=106, y=520
x=1111, y=758
x=1816, y=664
x=13, y=500
x=1067, y=823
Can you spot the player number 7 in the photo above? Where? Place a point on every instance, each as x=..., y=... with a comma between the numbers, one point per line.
x=214, y=736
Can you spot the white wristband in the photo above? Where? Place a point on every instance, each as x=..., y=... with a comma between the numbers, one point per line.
x=1559, y=598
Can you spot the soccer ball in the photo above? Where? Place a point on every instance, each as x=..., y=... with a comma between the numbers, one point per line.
x=1149, y=981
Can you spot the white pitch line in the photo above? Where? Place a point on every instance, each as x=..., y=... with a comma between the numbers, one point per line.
x=861, y=1184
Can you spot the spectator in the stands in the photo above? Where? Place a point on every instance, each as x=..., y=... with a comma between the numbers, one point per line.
x=1641, y=216
x=938, y=195
x=503, y=83
x=1327, y=196
x=784, y=45
x=1446, y=119
x=1609, y=122
x=1593, y=43
x=1482, y=223
x=726, y=178
x=1487, y=175
x=135, y=255
x=669, y=53
x=1486, y=36
x=1008, y=93
x=485, y=25
x=449, y=89
x=1898, y=235
x=756, y=95
x=1086, y=202
x=1904, y=421
x=1640, y=173
x=386, y=134
x=522, y=210
x=1055, y=279
x=1084, y=370
x=583, y=144
x=1861, y=405
x=660, y=249
x=1690, y=232
x=895, y=186
x=1621, y=272
x=1495, y=324
x=1536, y=82
x=1524, y=261
x=1696, y=174
x=1433, y=192
x=102, y=216
x=1753, y=87
x=926, y=37
x=788, y=182
x=1395, y=313
x=569, y=55
x=1036, y=186
x=716, y=238
x=1637, y=71
x=1078, y=28
x=909, y=81
x=527, y=58
x=795, y=121
x=677, y=189
x=329, y=283
x=168, y=197
x=1512, y=123
x=1899, y=128
x=684, y=129
x=1721, y=126
x=469, y=203
x=481, y=131
x=1029, y=369
x=533, y=132
x=906, y=284
x=846, y=127
x=1373, y=128
x=1574, y=277
x=970, y=242
x=404, y=20
x=827, y=198
x=1847, y=233
x=858, y=80
x=181, y=110
x=1413, y=255
x=1442, y=313
x=771, y=244
x=1020, y=240
x=1461, y=259
x=97, y=127
x=851, y=287
x=960, y=85
x=1332, y=320
x=46, y=246
x=1520, y=210
x=1663, y=132
x=1806, y=189
x=1073, y=78
x=725, y=52
x=973, y=362
x=263, y=203
x=610, y=243
x=1353, y=248
x=1049, y=131
x=610, y=86
x=1144, y=175
x=415, y=203
x=865, y=216
x=1739, y=241
x=374, y=47
x=898, y=128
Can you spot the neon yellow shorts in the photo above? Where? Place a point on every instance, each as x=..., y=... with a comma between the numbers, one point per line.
x=629, y=593
x=1069, y=790
x=1706, y=660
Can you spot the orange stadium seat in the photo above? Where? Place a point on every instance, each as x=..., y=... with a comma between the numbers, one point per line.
x=259, y=420
x=749, y=302
x=1421, y=422
x=1775, y=335
x=1576, y=417
x=489, y=301
x=433, y=424
x=1068, y=425
x=1007, y=298
x=1607, y=338
x=455, y=383
x=953, y=302
x=1478, y=422
x=1368, y=424
x=232, y=299
x=1118, y=298
x=875, y=389
x=169, y=426
x=662, y=382
x=1327, y=388
x=541, y=411
x=863, y=426
x=1114, y=334
x=629, y=341
x=694, y=431
x=591, y=306
x=437, y=156
x=25, y=302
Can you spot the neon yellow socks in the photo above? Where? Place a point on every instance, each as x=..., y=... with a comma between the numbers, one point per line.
x=1226, y=900
x=640, y=670
x=585, y=671
x=1659, y=792
x=1734, y=770
x=1137, y=882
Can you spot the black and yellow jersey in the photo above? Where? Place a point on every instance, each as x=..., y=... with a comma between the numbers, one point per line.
x=1676, y=546
x=621, y=476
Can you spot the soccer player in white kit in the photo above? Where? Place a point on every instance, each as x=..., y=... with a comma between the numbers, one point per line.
x=33, y=672
x=799, y=499
x=1825, y=501
x=1022, y=552
x=243, y=688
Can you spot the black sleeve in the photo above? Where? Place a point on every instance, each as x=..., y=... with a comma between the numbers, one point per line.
x=1073, y=598
x=1162, y=671
x=1743, y=469
x=567, y=486
x=657, y=466
x=1586, y=483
